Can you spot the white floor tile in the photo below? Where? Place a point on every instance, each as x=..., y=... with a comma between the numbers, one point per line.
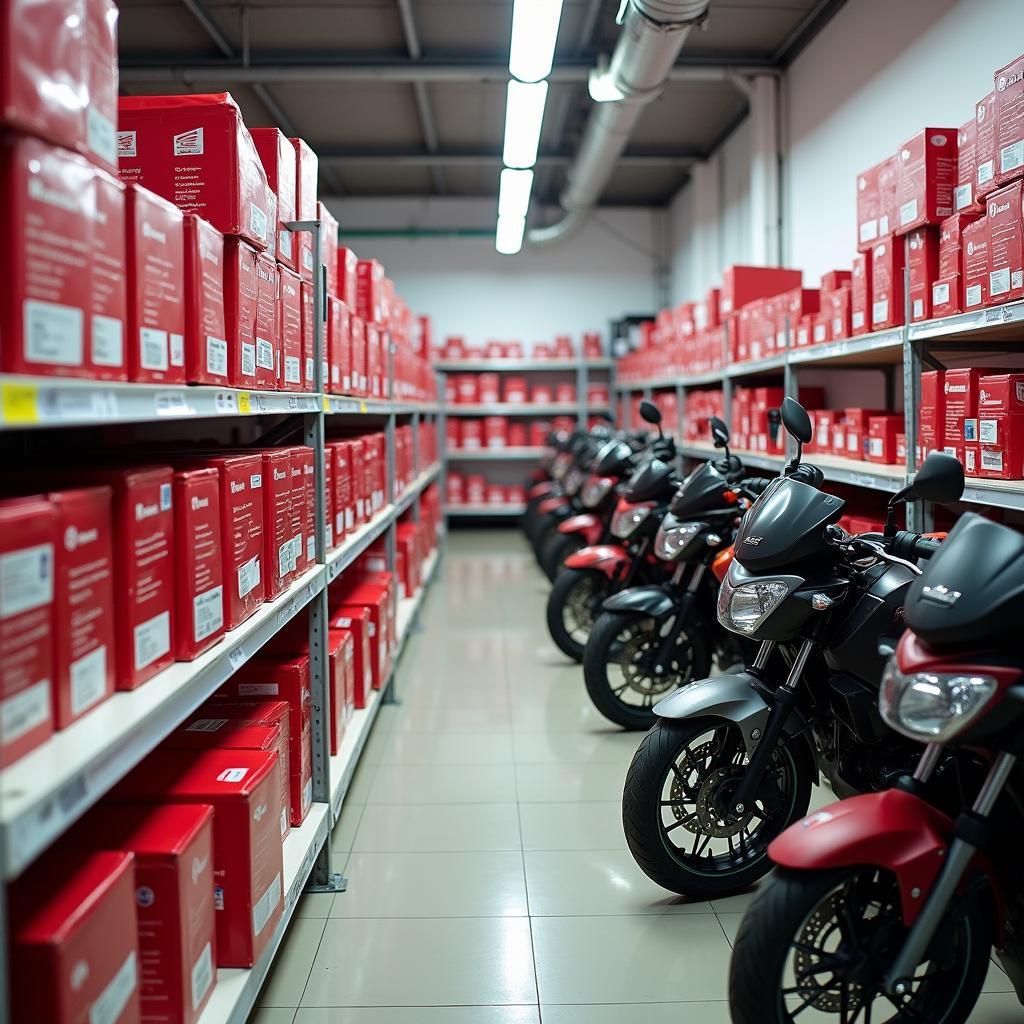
x=417, y=828
x=418, y=1015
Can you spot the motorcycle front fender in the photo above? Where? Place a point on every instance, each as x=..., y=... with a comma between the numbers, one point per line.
x=653, y=601
x=552, y=505
x=732, y=697
x=607, y=558
x=589, y=526
x=540, y=490
x=893, y=829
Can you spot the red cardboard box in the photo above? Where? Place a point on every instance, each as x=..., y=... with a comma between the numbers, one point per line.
x=291, y=331
x=300, y=525
x=74, y=940
x=824, y=422
x=309, y=342
x=841, y=313
x=254, y=694
x=1000, y=393
x=339, y=346
x=107, y=358
x=46, y=203
x=243, y=788
x=985, y=115
x=360, y=381
x=1009, y=118
x=377, y=599
x=277, y=521
x=950, y=236
x=241, y=297
x=887, y=260
x=206, y=347
x=947, y=296
x=975, y=246
x=926, y=172
x=1002, y=457
x=1006, y=244
x=882, y=431
x=195, y=151
x=156, y=269
x=344, y=508
x=860, y=295
x=876, y=203
x=933, y=394
x=306, y=173
x=198, y=561
x=83, y=646
x=329, y=245
x=489, y=387
x=277, y=155
x=966, y=166
x=268, y=342
x=369, y=282
x=960, y=388
x=496, y=431
x=28, y=538
x=172, y=846
x=341, y=661
x=741, y=285
x=923, y=267
x=857, y=423
x=359, y=621
x=347, y=288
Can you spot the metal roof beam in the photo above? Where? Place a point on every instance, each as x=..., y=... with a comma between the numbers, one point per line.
x=680, y=159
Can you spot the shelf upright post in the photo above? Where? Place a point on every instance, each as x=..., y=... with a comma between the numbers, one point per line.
x=920, y=517
x=680, y=409
x=581, y=392
x=791, y=384
x=441, y=423
x=390, y=490
x=726, y=379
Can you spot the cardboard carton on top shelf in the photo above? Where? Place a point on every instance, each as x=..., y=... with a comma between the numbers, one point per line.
x=887, y=262
x=277, y=155
x=925, y=178
x=339, y=346
x=268, y=338
x=860, y=295
x=329, y=246
x=985, y=116
x=290, y=331
x=1006, y=245
x=107, y=359
x=742, y=284
x=975, y=246
x=206, y=348
x=306, y=305
x=307, y=168
x=241, y=297
x=1008, y=84
x=346, y=285
x=922, y=269
x=950, y=238
x=966, y=166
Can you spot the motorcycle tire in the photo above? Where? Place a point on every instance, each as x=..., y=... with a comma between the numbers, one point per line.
x=605, y=648
x=546, y=529
x=557, y=548
x=574, y=585
x=792, y=904
x=662, y=758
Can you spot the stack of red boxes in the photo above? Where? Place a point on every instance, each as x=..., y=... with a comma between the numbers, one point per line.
x=1001, y=426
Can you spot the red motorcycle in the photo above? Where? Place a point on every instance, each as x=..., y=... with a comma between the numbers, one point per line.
x=885, y=907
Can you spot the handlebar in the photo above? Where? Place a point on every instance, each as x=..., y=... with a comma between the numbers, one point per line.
x=755, y=485
x=913, y=545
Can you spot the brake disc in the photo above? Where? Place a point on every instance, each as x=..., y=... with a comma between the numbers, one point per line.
x=824, y=919
x=634, y=662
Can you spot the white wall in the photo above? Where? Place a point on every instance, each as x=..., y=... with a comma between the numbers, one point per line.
x=877, y=73
x=607, y=269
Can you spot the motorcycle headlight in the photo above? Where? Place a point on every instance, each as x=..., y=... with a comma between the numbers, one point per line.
x=674, y=539
x=742, y=609
x=627, y=521
x=573, y=481
x=595, y=490
x=932, y=707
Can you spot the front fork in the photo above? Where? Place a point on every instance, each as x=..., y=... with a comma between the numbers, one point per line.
x=634, y=563
x=970, y=832
x=682, y=615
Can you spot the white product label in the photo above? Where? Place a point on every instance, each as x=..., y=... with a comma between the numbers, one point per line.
x=970, y=429
x=296, y=550
x=264, y=354
x=988, y=431
x=819, y=332
x=310, y=548
x=189, y=143
x=177, y=349
x=291, y=370
x=999, y=281
x=1017, y=279
x=257, y=221
x=986, y=171
x=25, y=711
x=880, y=311
x=284, y=559
x=1011, y=157
x=963, y=196
x=329, y=529
x=114, y=998
x=823, y=433
x=126, y=144
x=307, y=795
x=248, y=576
x=908, y=212
x=152, y=639
x=232, y=774
x=101, y=135
x=248, y=359
x=851, y=442
x=107, y=341
x=218, y=897
x=216, y=356
x=307, y=259
x=258, y=689
x=256, y=481
x=969, y=460
x=284, y=242
x=165, y=497
x=875, y=446
x=992, y=460
x=972, y=296
x=869, y=230
x=202, y=976
x=26, y=579
x=917, y=310
x=207, y=725
x=266, y=905
x=153, y=348
x=88, y=679
x=940, y=294
x=857, y=319
x=207, y=613
x=309, y=369
x=837, y=326
x=883, y=226
x=54, y=334
x=339, y=523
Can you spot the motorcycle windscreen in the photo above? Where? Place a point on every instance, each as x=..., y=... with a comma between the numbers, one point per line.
x=650, y=482
x=702, y=491
x=972, y=590
x=785, y=526
x=614, y=459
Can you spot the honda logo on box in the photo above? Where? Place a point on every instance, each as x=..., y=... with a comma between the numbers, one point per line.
x=189, y=143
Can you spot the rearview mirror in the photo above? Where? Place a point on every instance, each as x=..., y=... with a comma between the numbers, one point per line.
x=650, y=412
x=940, y=478
x=796, y=420
x=719, y=432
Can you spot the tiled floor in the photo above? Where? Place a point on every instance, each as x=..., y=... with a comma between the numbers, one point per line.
x=489, y=882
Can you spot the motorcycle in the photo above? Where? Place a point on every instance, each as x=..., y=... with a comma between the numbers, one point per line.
x=730, y=763
x=887, y=902
x=651, y=639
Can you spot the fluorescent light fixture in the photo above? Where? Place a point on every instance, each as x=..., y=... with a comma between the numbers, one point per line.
x=601, y=86
x=534, y=31
x=508, y=239
x=524, y=115
x=514, y=194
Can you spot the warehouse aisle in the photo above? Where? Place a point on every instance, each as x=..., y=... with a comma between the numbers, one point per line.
x=488, y=876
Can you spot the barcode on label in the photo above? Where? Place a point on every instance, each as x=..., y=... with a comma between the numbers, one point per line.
x=152, y=639
x=88, y=679
x=54, y=334
x=26, y=710
x=249, y=576
x=207, y=613
x=207, y=725
x=266, y=905
x=216, y=356
x=264, y=354
x=202, y=976
x=248, y=359
x=152, y=348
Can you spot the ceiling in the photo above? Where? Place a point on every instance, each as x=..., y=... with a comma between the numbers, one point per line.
x=407, y=97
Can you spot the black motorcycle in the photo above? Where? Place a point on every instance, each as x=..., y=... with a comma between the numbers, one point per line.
x=732, y=759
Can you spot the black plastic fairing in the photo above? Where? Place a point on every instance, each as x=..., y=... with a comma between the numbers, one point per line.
x=650, y=482
x=701, y=491
x=616, y=459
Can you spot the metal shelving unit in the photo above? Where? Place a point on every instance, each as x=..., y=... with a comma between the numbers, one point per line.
x=45, y=792
x=525, y=409
x=484, y=510
x=494, y=454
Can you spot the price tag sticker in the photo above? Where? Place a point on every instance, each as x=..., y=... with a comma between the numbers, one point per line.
x=19, y=403
x=226, y=403
x=236, y=658
x=172, y=403
x=294, y=404
x=262, y=403
x=244, y=402
x=326, y=404
x=362, y=407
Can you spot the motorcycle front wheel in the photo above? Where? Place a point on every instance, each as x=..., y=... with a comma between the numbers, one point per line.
x=675, y=806
x=619, y=671
x=572, y=604
x=815, y=946
x=557, y=548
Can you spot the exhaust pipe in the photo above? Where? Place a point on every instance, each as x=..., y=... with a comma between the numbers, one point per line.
x=653, y=33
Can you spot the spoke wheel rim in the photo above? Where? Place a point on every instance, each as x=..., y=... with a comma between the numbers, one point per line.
x=580, y=603
x=635, y=684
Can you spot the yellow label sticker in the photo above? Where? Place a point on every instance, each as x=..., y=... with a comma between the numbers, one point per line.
x=19, y=403
x=327, y=404
x=362, y=407
x=243, y=403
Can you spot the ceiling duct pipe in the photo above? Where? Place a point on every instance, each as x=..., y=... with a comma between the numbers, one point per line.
x=653, y=33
